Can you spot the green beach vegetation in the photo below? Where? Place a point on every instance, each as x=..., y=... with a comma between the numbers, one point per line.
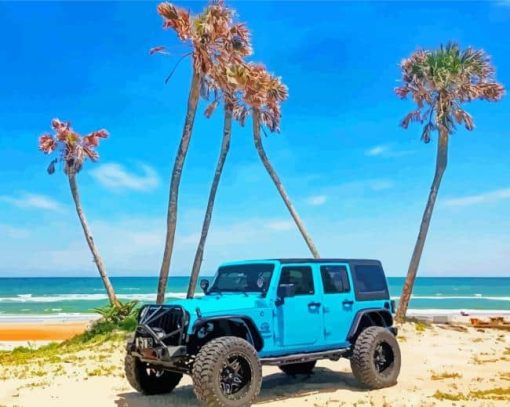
x=100, y=333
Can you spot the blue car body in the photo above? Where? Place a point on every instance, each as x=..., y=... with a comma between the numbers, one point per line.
x=288, y=313
x=308, y=322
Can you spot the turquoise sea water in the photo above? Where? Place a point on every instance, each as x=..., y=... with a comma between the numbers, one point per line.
x=44, y=296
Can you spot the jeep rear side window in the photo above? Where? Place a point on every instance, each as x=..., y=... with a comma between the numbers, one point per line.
x=335, y=280
x=370, y=282
x=301, y=277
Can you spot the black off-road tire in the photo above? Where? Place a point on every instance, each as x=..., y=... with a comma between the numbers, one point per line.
x=298, y=368
x=364, y=362
x=209, y=364
x=142, y=381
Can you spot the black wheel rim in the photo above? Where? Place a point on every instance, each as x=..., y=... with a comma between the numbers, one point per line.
x=235, y=376
x=383, y=357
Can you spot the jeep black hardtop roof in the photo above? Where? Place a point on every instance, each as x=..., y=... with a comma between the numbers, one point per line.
x=328, y=260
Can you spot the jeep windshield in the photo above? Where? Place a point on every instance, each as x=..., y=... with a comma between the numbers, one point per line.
x=243, y=278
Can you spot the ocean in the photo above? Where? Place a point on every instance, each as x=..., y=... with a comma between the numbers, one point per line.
x=68, y=297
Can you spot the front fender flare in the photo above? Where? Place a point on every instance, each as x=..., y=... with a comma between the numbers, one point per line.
x=245, y=321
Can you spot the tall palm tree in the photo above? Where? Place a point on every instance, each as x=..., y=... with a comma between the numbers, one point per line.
x=263, y=94
x=212, y=36
x=227, y=89
x=440, y=82
x=199, y=254
x=73, y=150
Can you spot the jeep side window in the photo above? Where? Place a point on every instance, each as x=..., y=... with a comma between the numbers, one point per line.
x=370, y=279
x=335, y=279
x=370, y=282
x=301, y=277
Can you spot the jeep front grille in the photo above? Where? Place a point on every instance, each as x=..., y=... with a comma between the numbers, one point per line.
x=164, y=323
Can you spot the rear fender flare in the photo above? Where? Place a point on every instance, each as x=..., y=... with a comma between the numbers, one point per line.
x=377, y=317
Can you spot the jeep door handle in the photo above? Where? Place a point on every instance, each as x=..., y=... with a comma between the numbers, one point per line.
x=314, y=304
x=347, y=302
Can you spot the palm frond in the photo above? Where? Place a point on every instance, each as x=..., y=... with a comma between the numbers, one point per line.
x=439, y=81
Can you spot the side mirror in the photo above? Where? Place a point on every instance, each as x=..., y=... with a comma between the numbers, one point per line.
x=285, y=291
x=204, y=285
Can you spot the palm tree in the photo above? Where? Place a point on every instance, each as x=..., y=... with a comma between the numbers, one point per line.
x=212, y=37
x=263, y=94
x=226, y=88
x=440, y=82
x=199, y=254
x=73, y=150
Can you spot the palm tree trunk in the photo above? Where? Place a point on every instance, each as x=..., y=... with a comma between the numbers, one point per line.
x=441, y=162
x=171, y=222
x=90, y=241
x=279, y=185
x=225, y=145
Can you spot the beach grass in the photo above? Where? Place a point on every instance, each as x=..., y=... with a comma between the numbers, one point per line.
x=99, y=333
x=497, y=393
x=445, y=375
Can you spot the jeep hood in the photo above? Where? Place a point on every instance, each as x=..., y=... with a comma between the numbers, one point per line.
x=224, y=304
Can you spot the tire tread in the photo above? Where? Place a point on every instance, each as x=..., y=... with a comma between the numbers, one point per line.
x=149, y=385
x=203, y=369
x=361, y=359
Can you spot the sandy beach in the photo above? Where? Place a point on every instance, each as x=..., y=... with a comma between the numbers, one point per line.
x=34, y=332
x=442, y=365
x=46, y=332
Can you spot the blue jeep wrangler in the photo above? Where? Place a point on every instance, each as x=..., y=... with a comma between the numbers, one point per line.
x=284, y=312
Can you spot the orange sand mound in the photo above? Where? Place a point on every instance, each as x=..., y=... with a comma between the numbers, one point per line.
x=41, y=332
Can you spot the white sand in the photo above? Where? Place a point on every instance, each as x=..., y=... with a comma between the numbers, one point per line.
x=481, y=358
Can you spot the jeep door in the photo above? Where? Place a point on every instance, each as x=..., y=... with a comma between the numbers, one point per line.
x=299, y=318
x=338, y=302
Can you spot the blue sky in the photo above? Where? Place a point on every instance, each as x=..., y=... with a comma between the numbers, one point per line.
x=359, y=181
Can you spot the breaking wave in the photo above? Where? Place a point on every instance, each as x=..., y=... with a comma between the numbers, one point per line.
x=29, y=298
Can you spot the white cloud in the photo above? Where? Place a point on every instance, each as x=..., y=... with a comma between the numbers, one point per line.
x=116, y=176
x=386, y=151
x=380, y=184
x=317, y=200
x=377, y=151
x=280, y=225
x=14, y=232
x=32, y=201
x=487, y=197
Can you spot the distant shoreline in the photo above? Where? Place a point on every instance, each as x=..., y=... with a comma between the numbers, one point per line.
x=39, y=330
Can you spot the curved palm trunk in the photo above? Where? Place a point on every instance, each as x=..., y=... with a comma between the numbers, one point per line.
x=225, y=145
x=90, y=241
x=441, y=162
x=279, y=185
x=171, y=222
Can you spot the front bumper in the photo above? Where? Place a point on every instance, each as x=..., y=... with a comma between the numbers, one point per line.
x=160, y=337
